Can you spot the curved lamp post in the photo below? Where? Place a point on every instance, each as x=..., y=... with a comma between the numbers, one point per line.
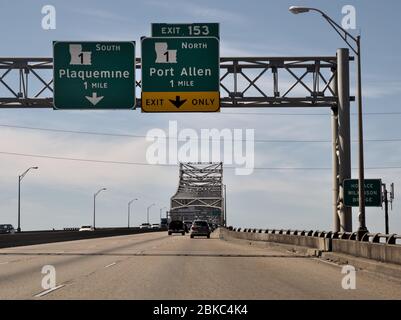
x=147, y=211
x=161, y=209
x=129, y=210
x=20, y=177
x=94, y=206
x=356, y=48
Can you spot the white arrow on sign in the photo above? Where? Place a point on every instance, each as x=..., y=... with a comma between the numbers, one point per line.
x=94, y=99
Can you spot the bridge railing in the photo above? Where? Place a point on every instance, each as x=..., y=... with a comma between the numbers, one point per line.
x=338, y=246
x=391, y=239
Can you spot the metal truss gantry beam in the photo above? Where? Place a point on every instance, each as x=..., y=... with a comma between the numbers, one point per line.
x=244, y=82
x=200, y=193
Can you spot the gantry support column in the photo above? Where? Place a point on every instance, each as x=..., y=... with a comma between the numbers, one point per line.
x=336, y=187
x=344, y=136
x=334, y=151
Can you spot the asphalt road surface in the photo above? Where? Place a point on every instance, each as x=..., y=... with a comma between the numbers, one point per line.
x=158, y=266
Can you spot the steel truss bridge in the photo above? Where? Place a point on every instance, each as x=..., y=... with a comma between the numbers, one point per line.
x=200, y=193
x=245, y=82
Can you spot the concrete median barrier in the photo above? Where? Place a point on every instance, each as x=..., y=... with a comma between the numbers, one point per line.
x=40, y=237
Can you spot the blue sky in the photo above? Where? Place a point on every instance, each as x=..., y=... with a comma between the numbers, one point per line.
x=60, y=193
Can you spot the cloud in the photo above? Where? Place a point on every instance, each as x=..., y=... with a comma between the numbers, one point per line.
x=381, y=89
x=100, y=14
x=76, y=173
x=198, y=11
x=233, y=48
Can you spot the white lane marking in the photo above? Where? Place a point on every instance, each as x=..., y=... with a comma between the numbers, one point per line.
x=110, y=265
x=4, y=262
x=43, y=293
x=327, y=262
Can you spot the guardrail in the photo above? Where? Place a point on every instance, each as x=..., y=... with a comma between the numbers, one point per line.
x=376, y=246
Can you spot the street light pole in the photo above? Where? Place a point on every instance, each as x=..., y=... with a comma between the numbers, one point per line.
x=129, y=210
x=361, y=184
x=94, y=206
x=20, y=177
x=147, y=211
x=345, y=35
x=225, y=205
x=161, y=209
x=19, y=204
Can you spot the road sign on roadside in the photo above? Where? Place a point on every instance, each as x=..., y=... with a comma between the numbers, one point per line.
x=94, y=75
x=373, y=193
x=180, y=74
x=185, y=30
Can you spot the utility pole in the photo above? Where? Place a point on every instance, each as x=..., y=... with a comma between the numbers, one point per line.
x=386, y=200
x=225, y=205
x=386, y=208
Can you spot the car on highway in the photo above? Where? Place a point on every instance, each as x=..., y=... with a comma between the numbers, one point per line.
x=7, y=229
x=188, y=225
x=155, y=226
x=200, y=228
x=145, y=226
x=176, y=226
x=87, y=228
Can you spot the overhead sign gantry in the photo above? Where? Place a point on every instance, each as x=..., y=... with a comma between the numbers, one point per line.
x=267, y=82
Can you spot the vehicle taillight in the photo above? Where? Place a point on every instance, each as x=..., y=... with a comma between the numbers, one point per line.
x=194, y=228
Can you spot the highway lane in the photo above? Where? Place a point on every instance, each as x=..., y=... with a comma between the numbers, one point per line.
x=156, y=266
x=20, y=267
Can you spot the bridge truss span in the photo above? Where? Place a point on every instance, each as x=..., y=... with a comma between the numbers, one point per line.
x=200, y=193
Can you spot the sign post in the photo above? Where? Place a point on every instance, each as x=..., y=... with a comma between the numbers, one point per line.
x=373, y=193
x=180, y=74
x=94, y=75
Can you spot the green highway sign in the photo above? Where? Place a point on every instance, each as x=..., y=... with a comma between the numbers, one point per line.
x=94, y=75
x=373, y=193
x=185, y=30
x=180, y=74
